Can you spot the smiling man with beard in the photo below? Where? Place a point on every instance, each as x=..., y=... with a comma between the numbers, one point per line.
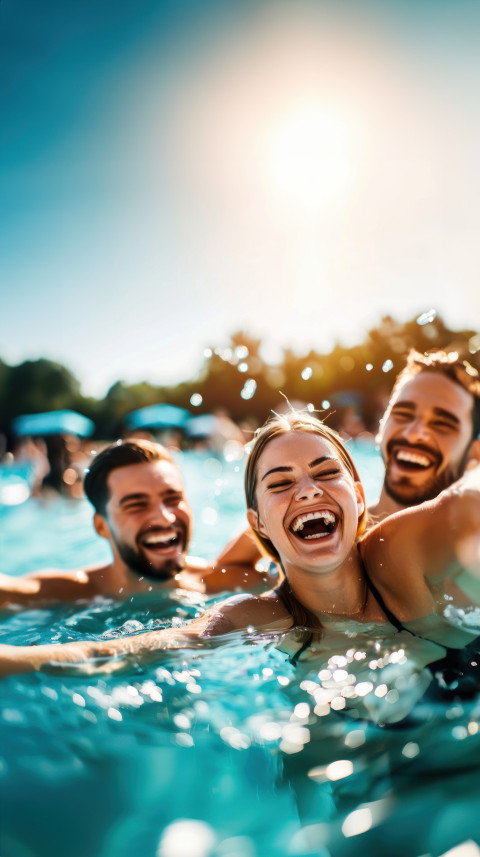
x=140, y=507
x=429, y=431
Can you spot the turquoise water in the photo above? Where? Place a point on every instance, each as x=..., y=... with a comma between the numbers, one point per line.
x=225, y=750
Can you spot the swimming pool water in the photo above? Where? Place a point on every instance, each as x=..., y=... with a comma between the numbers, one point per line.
x=225, y=750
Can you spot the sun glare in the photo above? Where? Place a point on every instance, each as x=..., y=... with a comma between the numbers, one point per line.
x=310, y=158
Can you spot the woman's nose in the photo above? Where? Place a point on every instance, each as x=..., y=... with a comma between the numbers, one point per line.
x=308, y=489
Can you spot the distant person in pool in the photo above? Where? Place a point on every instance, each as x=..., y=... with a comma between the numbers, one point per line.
x=428, y=434
x=307, y=509
x=140, y=507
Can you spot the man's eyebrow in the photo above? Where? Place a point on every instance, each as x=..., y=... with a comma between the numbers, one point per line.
x=403, y=403
x=441, y=412
x=169, y=492
x=313, y=463
x=129, y=497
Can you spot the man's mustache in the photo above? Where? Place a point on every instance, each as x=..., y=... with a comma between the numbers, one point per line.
x=417, y=447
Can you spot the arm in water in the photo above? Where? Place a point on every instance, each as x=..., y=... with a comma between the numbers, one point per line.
x=239, y=612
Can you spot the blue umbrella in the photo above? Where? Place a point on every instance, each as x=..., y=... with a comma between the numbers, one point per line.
x=52, y=422
x=157, y=417
x=202, y=426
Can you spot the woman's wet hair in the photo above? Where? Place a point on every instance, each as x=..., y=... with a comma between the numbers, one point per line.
x=121, y=454
x=281, y=424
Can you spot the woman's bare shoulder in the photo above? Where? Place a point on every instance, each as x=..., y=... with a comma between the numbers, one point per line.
x=245, y=610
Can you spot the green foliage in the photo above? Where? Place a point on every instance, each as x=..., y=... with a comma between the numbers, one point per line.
x=35, y=386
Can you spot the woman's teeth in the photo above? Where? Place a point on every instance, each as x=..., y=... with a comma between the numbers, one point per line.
x=323, y=524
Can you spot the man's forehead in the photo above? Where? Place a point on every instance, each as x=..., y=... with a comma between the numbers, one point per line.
x=434, y=390
x=145, y=476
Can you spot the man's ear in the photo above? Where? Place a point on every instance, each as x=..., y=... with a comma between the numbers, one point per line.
x=473, y=455
x=255, y=522
x=101, y=526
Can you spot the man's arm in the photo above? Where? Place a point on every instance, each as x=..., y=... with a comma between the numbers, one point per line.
x=43, y=586
x=234, y=568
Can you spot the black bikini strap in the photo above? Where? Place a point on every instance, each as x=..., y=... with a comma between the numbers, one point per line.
x=308, y=642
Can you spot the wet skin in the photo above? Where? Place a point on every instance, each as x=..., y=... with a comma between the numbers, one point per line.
x=425, y=437
x=148, y=519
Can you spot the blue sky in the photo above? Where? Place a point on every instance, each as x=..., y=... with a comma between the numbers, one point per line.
x=171, y=172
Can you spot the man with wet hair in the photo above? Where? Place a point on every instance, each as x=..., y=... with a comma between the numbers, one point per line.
x=140, y=507
x=429, y=432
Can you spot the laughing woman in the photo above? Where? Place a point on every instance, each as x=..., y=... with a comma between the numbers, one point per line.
x=307, y=509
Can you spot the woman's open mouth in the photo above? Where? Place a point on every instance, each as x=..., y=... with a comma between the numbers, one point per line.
x=314, y=525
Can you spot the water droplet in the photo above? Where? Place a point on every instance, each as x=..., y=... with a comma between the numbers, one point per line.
x=242, y=367
x=359, y=821
x=474, y=344
x=325, y=404
x=196, y=399
x=426, y=317
x=209, y=516
x=363, y=688
x=241, y=352
x=387, y=366
x=355, y=738
x=339, y=769
x=249, y=389
x=302, y=710
x=411, y=750
x=114, y=714
x=187, y=837
x=307, y=373
x=369, y=367
x=270, y=731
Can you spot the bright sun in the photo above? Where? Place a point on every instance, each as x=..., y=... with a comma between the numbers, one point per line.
x=310, y=157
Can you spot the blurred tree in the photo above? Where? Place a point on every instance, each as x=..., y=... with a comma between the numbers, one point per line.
x=237, y=378
x=35, y=386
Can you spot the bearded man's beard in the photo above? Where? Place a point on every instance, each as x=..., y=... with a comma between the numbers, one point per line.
x=135, y=561
x=406, y=494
